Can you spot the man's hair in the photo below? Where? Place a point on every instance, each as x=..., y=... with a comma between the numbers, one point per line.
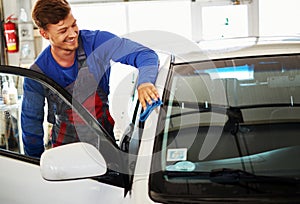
x=47, y=12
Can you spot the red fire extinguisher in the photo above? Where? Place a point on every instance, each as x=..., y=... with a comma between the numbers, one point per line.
x=10, y=32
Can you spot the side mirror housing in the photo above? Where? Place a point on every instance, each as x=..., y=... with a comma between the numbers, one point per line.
x=72, y=161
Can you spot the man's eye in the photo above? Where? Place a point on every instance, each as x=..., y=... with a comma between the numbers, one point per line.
x=63, y=31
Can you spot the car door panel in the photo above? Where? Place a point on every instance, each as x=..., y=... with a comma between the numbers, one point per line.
x=21, y=180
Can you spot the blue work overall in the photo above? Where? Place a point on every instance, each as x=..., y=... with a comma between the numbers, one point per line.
x=68, y=127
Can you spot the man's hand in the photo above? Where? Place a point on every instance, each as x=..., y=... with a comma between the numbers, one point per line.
x=147, y=92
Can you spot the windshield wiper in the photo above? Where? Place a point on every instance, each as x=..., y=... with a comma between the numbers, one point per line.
x=241, y=178
x=233, y=176
x=202, y=107
x=256, y=183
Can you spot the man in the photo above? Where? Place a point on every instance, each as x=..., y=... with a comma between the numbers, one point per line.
x=77, y=60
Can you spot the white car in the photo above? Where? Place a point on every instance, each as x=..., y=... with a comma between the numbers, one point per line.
x=228, y=131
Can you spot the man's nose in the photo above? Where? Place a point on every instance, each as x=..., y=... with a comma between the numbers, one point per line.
x=72, y=32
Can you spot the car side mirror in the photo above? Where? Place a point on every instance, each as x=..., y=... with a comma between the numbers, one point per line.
x=72, y=161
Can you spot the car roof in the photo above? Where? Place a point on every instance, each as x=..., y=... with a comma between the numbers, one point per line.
x=240, y=47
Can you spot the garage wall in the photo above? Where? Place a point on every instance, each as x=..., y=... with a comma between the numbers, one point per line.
x=123, y=18
x=180, y=17
x=279, y=17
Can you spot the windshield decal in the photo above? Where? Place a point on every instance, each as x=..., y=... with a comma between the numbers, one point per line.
x=178, y=154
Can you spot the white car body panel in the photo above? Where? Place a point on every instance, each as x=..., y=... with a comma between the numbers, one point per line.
x=32, y=188
x=139, y=193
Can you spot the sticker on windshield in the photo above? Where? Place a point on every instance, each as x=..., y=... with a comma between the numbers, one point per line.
x=179, y=154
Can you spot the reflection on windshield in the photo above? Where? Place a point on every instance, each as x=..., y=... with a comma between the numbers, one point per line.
x=243, y=72
x=238, y=114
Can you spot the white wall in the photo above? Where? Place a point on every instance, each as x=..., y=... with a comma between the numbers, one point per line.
x=179, y=17
x=279, y=17
x=123, y=18
x=197, y=20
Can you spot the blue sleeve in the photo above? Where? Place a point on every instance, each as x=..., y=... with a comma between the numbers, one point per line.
x=32, y=117
x=146, y=60
x=128, y=52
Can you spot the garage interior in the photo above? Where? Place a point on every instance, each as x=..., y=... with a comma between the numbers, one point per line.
x=198, y=20
x=190, y=20
x=226, y=129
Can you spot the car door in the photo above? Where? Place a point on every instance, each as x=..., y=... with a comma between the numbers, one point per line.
x=21, y=177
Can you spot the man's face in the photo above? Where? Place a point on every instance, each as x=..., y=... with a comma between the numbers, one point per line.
x=63, y=35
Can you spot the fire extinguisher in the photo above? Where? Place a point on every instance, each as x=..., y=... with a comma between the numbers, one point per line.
x=11, y=37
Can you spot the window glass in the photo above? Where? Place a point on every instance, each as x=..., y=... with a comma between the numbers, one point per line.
x=10, y=104
x=226, y=119
x=11, y=127
x=248, y=96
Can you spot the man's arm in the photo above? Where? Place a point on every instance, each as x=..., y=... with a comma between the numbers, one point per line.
x=147, y=62
x=32, y=117
x=111, y=47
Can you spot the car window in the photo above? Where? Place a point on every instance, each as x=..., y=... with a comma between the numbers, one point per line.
x=228, y=119
x=9, y=113
x=87, y=129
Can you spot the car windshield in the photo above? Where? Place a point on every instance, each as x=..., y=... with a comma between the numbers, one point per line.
x=230, y=120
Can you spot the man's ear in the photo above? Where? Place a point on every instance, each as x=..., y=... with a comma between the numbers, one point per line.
x=44, y=34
